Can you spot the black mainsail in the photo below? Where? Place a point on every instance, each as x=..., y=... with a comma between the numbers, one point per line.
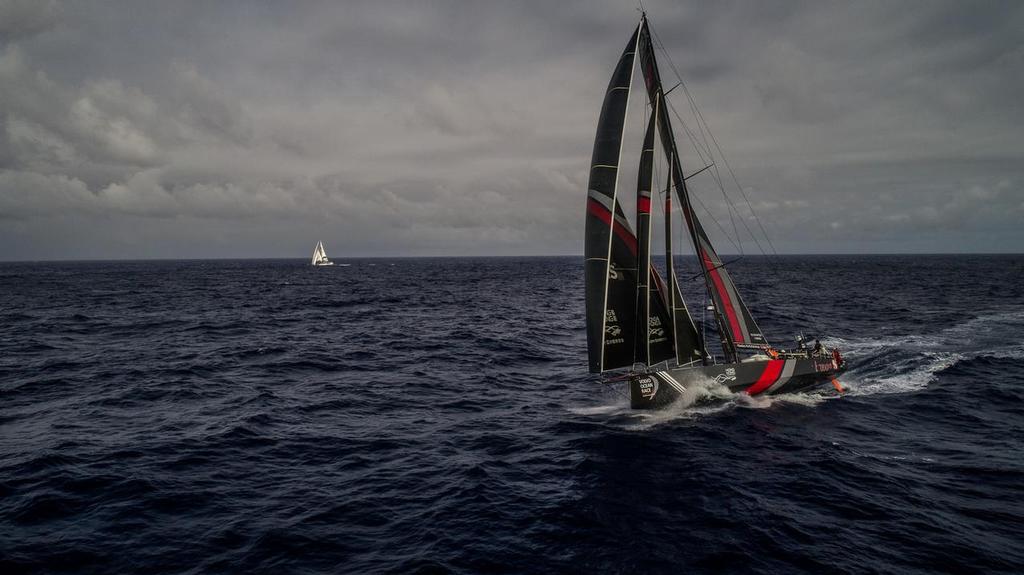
x=609, y=271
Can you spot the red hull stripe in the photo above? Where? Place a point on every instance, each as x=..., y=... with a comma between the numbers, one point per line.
x=769, y=376
x=723, y=294
x=643, y=205
x=596, y=209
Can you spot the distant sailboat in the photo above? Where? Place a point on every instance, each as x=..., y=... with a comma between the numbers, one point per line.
x=320, y=256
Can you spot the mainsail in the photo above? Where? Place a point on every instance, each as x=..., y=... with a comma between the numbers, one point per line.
x=609, y=274
x=736, y=325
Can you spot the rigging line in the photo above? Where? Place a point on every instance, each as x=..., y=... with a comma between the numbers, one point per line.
x=721, y=265
x=730, y=205
x=704, y=132
x=690, y=136
x=697, y=172
x=716, y=176
x=712, y=217
x=686, y=127
x=733, y=175
x=700, y=116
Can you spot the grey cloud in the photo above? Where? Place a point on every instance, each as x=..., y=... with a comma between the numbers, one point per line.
x=427, y=128
x=25, y=18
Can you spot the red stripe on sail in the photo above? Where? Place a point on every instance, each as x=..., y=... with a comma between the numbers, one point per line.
x=643, y=205
x=723, y=294
x=596, y=209
x=769, y=376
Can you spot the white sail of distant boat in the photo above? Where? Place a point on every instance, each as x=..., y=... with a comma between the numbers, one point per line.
x=320, y=256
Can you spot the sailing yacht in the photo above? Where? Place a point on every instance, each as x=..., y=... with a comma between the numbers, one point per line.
x=320, y=256
x=637, y=321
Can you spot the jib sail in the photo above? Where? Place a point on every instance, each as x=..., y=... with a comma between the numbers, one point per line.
x=659, y=331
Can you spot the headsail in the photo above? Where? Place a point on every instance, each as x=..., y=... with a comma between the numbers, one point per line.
x=610, y=271
x=737, y=326
x=654, y=341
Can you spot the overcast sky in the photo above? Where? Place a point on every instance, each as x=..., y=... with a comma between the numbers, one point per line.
x=253, y=129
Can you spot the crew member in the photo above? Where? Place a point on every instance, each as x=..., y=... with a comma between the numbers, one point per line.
x=817, y=347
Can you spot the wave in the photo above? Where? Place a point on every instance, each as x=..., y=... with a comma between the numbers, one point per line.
x=908, y=363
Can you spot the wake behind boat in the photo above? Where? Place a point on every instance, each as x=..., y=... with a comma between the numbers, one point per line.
x=637, y=320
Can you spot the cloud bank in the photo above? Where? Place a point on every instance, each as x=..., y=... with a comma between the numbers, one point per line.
x=431, y=128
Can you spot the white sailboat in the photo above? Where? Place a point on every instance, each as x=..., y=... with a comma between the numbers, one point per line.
x=320, y=256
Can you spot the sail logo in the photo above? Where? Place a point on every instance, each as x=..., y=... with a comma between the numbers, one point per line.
x=611, y=329
x=654, y=326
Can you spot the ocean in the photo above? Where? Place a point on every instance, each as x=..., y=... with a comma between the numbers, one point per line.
x=435, y=415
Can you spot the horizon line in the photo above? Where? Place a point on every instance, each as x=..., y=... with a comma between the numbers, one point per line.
x=354, y=257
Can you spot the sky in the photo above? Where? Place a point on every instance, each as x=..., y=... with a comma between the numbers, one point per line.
x=430, y=128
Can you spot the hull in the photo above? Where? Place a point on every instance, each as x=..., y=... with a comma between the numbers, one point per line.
x=660, y=388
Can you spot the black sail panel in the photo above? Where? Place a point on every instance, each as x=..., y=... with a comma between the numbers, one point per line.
x=664, y=335
x=610, y=264
x=654, y=338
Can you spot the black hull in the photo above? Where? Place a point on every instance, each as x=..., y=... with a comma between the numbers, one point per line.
x=768, y=377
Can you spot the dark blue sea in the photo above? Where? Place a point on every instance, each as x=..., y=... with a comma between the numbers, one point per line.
x=435, y=415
